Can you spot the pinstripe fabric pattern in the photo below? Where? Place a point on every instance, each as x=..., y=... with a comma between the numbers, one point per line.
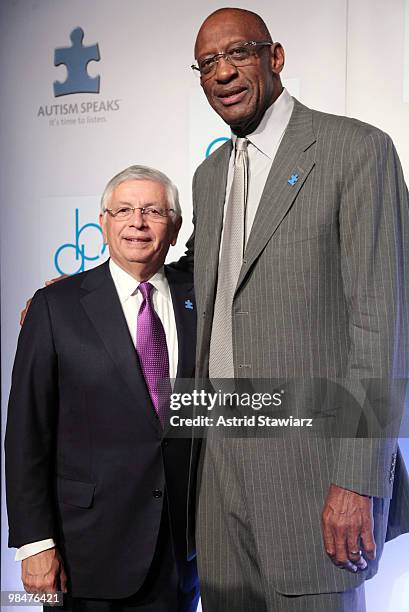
x=323, y=292
x=230, y=563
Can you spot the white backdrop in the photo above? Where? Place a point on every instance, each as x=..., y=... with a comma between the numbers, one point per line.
x=58, y=152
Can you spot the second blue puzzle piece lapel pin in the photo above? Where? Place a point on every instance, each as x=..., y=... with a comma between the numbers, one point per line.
x=189, y=304
x=293, y=179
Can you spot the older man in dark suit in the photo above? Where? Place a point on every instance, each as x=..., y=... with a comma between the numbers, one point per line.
x=96, y=490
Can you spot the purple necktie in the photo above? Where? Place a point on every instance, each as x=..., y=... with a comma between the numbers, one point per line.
x=153, y=353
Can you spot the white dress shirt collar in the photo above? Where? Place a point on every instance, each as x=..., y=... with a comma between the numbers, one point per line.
x=274, y=121
x=127, y=286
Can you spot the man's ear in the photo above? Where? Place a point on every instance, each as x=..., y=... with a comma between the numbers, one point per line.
x=102, y=222
x=178, y=225
x=277, y=57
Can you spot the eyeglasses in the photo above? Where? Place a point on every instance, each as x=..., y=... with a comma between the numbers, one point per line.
x=240, y=54
x=152, y=213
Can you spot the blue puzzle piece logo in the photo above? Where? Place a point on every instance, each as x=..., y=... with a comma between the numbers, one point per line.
x=189, y=304
x=76, y=59
x=293, y=179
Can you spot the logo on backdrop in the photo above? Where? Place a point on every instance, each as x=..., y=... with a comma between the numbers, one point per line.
x=88, y=245
x=78, y=109
x=76, y=59
x=212, y=145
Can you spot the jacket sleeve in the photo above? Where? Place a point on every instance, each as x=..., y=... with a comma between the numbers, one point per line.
x=31, y=430
x=374, y=238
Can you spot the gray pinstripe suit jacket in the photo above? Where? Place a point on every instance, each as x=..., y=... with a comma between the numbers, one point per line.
x=323, y=292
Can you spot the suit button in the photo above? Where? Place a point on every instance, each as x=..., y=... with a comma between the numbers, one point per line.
x=157, y=493
x=165, y=443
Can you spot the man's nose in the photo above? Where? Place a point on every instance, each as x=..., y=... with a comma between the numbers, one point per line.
x=225, y=70
x=137, y=219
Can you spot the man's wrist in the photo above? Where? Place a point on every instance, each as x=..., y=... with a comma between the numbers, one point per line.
x=33, y=548
x=333, y=484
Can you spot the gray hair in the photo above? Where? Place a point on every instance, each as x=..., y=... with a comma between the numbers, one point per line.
x=139, y=173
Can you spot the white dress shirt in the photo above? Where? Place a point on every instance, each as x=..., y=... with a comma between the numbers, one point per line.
x=262, y=148
x=131, y=300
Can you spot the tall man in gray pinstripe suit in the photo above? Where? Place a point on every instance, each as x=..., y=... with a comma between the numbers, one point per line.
x=321, y=291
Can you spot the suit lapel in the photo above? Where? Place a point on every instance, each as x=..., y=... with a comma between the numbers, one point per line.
x=101, y=303
x=213, y=205
x=292, y=161
x=184, y=307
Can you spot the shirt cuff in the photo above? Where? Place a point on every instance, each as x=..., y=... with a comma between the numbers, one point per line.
x=28, y=550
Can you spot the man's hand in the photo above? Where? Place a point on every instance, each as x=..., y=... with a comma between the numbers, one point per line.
x=44, y=573
x=347, y=527
x=24, y=311
x=27, y=306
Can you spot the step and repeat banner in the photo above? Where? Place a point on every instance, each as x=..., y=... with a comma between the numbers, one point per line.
x=90, y=87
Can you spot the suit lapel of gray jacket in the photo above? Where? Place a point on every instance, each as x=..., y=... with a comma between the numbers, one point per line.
x=292, y=158
x=214, y=205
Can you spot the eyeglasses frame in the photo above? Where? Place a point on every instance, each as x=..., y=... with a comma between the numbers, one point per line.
x=110, y=211
x=226, y=56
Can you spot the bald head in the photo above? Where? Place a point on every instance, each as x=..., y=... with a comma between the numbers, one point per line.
x=246, y=64
x=250, y=19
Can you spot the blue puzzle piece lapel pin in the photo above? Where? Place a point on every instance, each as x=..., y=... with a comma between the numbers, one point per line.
x=189, y=304
x=294, y=178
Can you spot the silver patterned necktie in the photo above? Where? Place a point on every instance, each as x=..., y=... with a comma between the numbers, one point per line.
x=221, y=363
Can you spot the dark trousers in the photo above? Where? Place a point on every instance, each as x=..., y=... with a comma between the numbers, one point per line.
x=169, y=586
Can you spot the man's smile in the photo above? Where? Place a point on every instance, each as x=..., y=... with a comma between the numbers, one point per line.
x=232, y=95
x=137, y=239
